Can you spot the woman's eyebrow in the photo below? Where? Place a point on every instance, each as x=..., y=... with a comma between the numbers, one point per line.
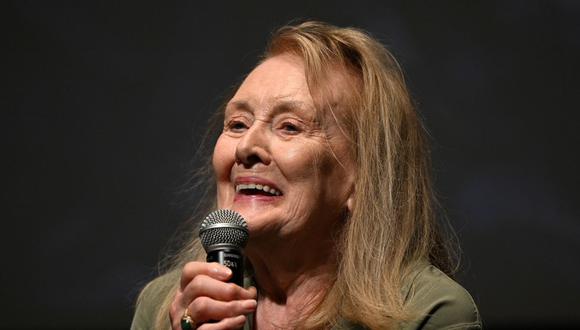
x=239, y=104
x=288, y=106
x=278, y=107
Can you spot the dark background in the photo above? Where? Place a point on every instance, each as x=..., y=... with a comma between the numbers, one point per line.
x=104, y=104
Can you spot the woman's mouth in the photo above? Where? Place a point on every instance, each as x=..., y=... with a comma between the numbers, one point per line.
x=253, y=188
x=256, y=189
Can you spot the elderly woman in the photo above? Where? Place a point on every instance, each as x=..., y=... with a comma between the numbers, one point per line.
x=340, y=214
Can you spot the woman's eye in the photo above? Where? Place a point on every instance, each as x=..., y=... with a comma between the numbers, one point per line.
x=290, y=128
x=236, y=126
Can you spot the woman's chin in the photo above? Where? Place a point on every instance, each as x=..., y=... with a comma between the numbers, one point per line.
x=255, y=206
x=263, y=224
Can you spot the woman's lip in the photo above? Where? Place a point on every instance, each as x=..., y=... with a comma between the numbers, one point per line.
x=238, y=198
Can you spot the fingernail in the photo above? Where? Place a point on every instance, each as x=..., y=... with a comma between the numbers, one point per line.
x=223, y=271
x=249, y=304
x=253, y=291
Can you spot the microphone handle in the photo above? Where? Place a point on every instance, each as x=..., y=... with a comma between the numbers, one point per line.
x=231, y=258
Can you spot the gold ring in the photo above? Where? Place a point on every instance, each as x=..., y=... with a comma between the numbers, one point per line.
x=187, y=323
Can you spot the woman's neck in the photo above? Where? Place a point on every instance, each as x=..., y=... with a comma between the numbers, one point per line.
x=290, y=282
x=300, y=302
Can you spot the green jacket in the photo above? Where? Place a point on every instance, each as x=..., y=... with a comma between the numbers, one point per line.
x=440, y=302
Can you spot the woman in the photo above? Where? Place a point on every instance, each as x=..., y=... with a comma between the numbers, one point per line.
x=324, y=155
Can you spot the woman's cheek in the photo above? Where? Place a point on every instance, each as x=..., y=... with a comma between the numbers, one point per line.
x=299, y=160
x=225, y=197
x=223, y=158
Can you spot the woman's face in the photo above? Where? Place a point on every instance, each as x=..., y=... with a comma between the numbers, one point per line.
x=286, y=171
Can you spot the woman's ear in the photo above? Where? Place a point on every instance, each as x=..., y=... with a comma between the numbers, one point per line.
x=350, y=201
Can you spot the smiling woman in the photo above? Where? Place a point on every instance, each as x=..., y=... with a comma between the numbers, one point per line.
x=324, y=155
x=271, y=137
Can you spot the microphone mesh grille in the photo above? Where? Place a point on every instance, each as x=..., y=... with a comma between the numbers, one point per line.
x=223, y=227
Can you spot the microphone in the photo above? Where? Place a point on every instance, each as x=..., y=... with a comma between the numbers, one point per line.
x=224, y=234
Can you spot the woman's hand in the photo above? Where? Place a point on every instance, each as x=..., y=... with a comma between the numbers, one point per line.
x=205, y=293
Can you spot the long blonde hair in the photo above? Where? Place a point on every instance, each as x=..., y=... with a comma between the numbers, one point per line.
x=392, y=225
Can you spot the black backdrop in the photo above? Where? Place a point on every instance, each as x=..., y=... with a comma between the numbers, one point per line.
x=104, y=104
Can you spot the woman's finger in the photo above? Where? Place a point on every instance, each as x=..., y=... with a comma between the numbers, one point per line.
x=203, y=309
x=225, y=324
x=203, y=285
x=206, y=295
x=192, y=269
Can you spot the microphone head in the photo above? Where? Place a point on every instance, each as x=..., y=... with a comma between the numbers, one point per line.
x=223, y=229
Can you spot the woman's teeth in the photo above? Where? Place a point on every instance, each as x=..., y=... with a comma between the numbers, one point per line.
x=265, y=188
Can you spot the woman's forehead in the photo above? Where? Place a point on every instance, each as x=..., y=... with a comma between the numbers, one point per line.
x=281, y=76
x=277, y=84
x=281, y=83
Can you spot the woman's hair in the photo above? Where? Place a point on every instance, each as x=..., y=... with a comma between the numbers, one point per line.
x=392, y=226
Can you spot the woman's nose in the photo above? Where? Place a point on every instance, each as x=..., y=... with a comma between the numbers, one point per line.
x=254, y=147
